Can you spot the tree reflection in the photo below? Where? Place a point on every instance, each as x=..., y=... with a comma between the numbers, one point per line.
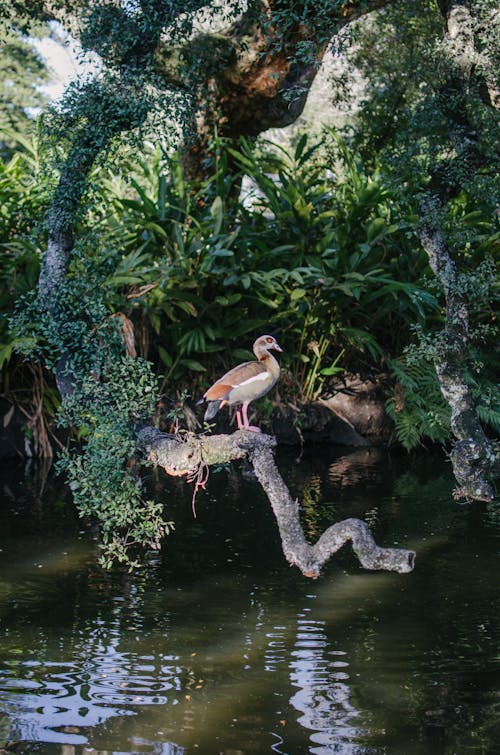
x=324, y=697
x=239, y=653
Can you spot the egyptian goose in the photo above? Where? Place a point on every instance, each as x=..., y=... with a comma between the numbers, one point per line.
x=245, y=383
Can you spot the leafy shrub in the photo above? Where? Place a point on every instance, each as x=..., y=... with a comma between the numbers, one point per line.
x=315, y=256
x=23, y=201
x=105, y=485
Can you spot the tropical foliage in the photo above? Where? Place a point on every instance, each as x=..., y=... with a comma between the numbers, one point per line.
x=314, y=253
x=22, y=74
x=318, y=245
x=24, y=192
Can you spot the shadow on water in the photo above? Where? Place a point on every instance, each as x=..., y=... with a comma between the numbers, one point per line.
x=218, y=646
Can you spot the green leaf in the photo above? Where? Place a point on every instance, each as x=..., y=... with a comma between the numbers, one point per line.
x=221, y=252
x=156, y=228
x=193, y=365
x=124, y=280
x=187, y=307
x=139, y=189
x=5, y=353
x=177, y=234
x=217, y=213
x=241, y=158
x=300, y=147
x=327, y=371
x=162, y=193
x=279, y=249
x=375, y=229
x=229, y=300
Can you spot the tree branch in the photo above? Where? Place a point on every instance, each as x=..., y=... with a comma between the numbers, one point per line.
x=184, y=457
x=257, y=73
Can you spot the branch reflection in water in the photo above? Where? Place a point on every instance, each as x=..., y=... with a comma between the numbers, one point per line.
x=218, y=646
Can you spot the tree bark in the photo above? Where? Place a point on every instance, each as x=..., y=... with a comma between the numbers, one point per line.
x=65, y=206
x=473, y=455
x=186, y=457
x=257, y=74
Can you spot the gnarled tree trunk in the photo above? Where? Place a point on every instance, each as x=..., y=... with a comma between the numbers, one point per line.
x=473, y=455
x=460, y=99
x=256, y=74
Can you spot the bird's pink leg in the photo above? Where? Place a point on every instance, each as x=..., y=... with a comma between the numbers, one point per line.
x=238, y=419
x=246, y=426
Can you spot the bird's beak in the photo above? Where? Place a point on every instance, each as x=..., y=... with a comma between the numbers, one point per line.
x=276, y=347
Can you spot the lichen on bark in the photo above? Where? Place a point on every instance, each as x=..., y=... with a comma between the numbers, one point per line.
x=183, y=456
x=473, y=456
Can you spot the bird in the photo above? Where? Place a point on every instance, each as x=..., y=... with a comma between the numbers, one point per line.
x=245, y=383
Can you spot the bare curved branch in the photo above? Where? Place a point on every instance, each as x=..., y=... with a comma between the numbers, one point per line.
x=184, y=457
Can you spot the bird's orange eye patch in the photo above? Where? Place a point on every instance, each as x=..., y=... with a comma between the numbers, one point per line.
x=269, y=340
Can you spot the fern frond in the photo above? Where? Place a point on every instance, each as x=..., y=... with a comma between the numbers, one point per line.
x=489, y=415
x=418, y=410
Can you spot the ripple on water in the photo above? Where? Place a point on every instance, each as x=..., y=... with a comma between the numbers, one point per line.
x=323, y=697
x=47, y=699
x=276, y=651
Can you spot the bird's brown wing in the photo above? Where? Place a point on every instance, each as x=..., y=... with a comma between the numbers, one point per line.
x=217, y=391
x=234, y=377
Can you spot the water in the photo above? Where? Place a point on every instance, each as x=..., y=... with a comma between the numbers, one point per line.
x=218, y=646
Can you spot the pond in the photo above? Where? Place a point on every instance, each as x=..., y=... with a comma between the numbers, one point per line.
x=218, y=646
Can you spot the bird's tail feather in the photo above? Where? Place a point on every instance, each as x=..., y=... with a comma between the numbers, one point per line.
x=212, y=409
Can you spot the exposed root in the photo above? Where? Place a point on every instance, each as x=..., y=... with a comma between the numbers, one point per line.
x=200, y=479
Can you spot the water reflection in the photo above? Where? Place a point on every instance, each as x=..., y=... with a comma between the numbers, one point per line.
x=219, y=647
x=54, y=700
x=324, y=696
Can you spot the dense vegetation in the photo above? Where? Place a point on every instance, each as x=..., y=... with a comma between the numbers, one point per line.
x=325, y=257
x=324, y=252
